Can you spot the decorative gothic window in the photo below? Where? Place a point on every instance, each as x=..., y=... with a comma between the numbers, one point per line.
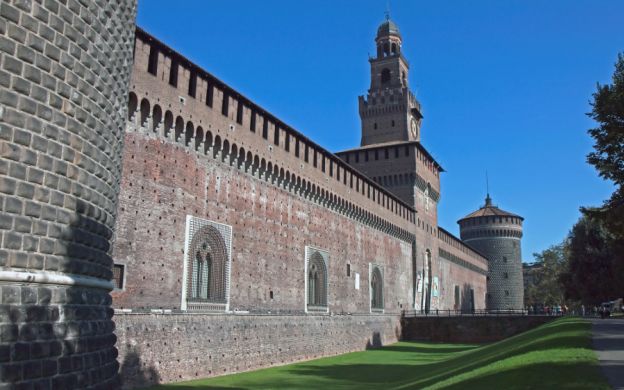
x=316, y=279
x=206, y=266
x=376, y=288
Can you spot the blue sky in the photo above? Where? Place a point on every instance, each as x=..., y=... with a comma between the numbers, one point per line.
x=504, y=86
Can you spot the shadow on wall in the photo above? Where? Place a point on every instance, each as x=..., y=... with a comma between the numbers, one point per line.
x=467, y=299
x=62, y=334
x=374, y=342
x=135, y=373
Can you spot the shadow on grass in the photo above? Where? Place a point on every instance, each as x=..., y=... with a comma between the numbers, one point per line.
x=553, y=336
x=418, y=365
x=421, y=347
x=533, y=376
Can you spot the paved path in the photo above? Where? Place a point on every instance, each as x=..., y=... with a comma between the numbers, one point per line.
x=608, y=342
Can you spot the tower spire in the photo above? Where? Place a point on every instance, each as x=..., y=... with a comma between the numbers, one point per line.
x=387, y=10
x=488, y=200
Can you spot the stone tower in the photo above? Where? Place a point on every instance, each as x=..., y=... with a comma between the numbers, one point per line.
x=64, y=74
x=497, y=234
x=390, y=111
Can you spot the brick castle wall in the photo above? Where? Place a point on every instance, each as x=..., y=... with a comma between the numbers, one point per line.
x=220, y=157
x=64, y=72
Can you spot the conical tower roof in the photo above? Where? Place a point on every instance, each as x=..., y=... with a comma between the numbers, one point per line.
x=488, y=209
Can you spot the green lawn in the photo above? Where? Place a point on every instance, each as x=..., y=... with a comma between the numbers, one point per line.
x=557, y=355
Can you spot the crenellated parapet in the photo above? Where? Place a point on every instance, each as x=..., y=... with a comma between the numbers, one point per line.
x=203, y=114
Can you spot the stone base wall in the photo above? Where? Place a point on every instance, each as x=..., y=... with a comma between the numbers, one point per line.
x=468, y=329
x=162, y=348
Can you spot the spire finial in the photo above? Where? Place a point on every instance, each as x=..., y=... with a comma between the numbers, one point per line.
x=488, y=200
x=388, y=10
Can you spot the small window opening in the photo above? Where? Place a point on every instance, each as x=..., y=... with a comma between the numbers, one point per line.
x=192, y=89
x=239, y=113
x=265, y=128
x=209, y=94
x=348, y=269
x=118, y=275
x=225, y=107
x=271, y=294
x=276, y=135
x=252, y=122
x=152, y=64
x=173, y=73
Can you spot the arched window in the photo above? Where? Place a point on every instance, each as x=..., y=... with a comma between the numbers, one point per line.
x=376, y=289
x=394, y=48
x=385, y=76
x=316, y=274
x=132, y=106
x=207, y=265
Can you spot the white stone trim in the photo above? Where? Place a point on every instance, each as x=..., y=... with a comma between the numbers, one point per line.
x=227, y=233
x=47, y=277
x=325, y=255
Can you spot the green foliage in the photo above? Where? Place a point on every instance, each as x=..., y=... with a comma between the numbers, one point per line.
x=591, y=275
x=596, y=265
x=608, y=154
x=555, y=355
x=608, y=111
x=546, y=287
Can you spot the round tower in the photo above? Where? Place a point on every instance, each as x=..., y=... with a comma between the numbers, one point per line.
x=64, y=86
x=496, y=234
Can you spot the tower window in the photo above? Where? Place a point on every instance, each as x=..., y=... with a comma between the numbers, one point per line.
x=385, y=76
x=393, y=123
x=348, y=269
x=375, y=125
x=394, y=48
x=506, y=275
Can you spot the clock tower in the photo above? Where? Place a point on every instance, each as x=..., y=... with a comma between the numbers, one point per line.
x=390, y=151
x=390, y=111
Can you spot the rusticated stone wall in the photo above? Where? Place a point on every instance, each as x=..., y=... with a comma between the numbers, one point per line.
x=64, y=73
x=175, y=347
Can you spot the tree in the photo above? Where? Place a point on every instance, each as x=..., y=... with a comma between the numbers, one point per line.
x=590, y=275
x=608, y=154
x=545, y=286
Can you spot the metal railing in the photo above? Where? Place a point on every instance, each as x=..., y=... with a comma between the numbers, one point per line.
x=472, y=313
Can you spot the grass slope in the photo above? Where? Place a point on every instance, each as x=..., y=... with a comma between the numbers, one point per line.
x=555, y=355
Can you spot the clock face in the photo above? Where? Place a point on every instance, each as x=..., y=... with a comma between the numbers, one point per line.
x=413, y=129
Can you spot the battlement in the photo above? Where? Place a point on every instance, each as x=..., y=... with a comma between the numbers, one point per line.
x=449, y=239
x=200, y=111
